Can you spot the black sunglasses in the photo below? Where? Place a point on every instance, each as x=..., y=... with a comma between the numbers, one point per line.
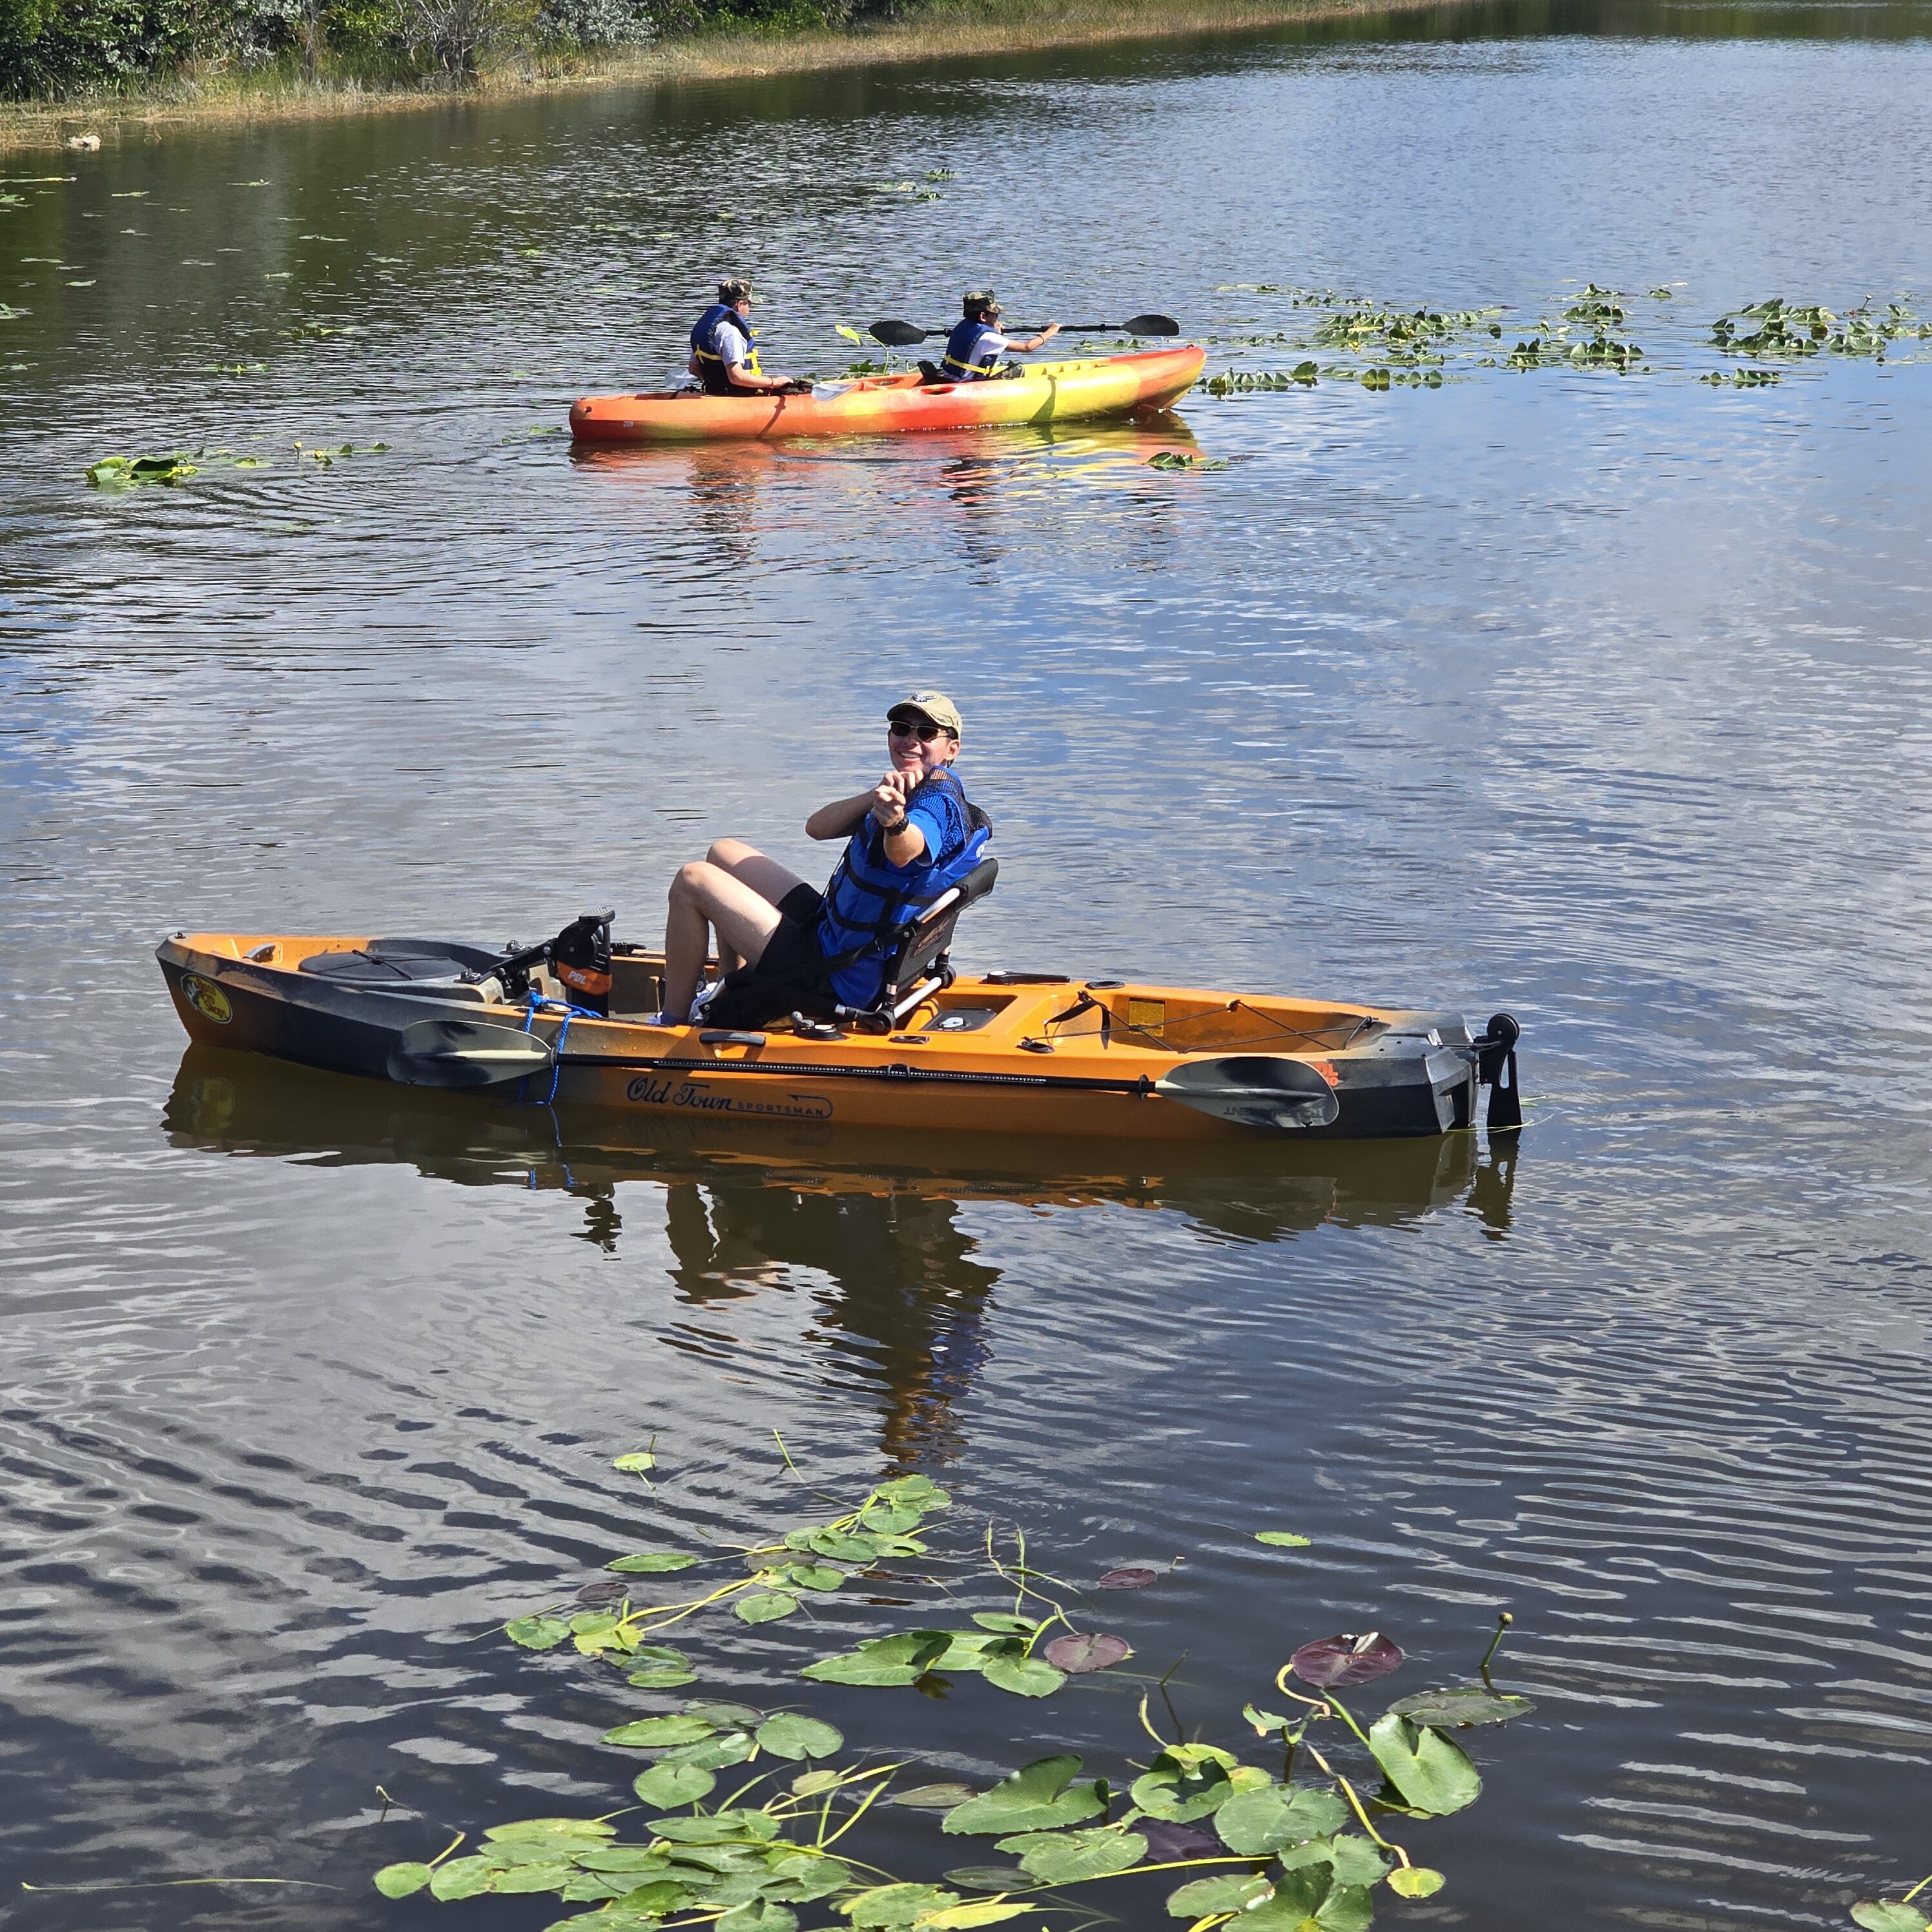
x=906, y=728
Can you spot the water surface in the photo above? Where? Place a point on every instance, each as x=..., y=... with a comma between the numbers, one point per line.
x=1602, y=699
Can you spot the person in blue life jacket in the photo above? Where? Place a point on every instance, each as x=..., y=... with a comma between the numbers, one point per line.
x=972, y=350
x=724, y=348
x=783, y=945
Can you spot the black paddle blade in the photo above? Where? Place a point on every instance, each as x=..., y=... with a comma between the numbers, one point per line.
x=897, y=334
x=1150, y=324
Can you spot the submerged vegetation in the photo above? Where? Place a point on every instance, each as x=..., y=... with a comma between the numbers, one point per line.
x=754, y=1811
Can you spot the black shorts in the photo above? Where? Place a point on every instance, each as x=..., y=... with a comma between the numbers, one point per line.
x=792, y=953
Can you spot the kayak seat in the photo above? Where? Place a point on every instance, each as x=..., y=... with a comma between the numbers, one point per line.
x=403, y=962
x=920, y=964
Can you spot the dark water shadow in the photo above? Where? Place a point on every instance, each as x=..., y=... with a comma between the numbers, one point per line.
x=744, y=1201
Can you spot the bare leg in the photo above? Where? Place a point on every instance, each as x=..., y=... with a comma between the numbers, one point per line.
x=704, y=896
x=749, y=866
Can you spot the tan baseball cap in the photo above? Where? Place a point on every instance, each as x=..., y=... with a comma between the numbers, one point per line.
x=937, y=706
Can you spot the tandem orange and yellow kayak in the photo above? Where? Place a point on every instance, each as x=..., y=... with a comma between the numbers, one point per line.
x=1049, y=392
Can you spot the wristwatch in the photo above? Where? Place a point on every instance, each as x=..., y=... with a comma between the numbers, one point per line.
x=893, y=831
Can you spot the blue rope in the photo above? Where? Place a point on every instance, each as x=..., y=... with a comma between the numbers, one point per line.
x=538, y=1004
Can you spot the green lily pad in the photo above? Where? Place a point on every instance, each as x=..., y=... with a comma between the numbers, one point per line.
x=537, y=1633
x=1433, y=1773
x=1273, y=1815
x=652, y=1563
x=666, y=1785
x=1462, y=1704
x=1067, y=1857
x=791, y=1736
x=884, y=1660
x=1887, y=1915
x=988, y=1878
x=934, y=1797
x=1024, y=1676
x=765, y=1606
x=462, y=1878
x=1282, y=1539
x=647, y=1733
x=399, y=1881
x=1416, y=1882
x=1231, y=1891
x=893, y=1906
x=1039, y=1797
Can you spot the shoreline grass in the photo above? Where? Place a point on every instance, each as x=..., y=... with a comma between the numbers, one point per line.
x=949, y=29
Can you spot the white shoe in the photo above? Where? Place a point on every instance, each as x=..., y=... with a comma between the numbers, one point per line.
x=705, y=995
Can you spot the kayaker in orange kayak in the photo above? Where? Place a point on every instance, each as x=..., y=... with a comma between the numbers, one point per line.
x=782, y=942
x=973, y=349
x=723, y=348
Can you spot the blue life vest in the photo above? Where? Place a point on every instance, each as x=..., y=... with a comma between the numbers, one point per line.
x=963, y=362
x=868, y=898
x=708, y=346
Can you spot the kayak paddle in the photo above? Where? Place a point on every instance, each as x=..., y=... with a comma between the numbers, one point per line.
x=896, y=334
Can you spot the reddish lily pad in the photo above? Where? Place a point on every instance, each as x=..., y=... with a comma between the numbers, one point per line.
x=1334, y=1663
x=1131, y=1576
x=1077, y=1655
x=1167, y=1843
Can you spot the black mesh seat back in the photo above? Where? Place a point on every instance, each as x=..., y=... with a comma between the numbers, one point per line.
x=934, y=933
x=402, y=962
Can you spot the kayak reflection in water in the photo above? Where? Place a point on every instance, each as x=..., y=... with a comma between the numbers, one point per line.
x=782, y=942
x=973, y=349
x=723, y=348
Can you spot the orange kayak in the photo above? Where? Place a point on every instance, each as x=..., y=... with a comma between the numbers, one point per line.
x=1109, y=386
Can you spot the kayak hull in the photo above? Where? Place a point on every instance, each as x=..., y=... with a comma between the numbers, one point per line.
x=1000, y=1054
x=1049, y=392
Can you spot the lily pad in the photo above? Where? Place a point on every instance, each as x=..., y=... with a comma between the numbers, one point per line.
x=1462, y=1704
x=884, y=1660
x=1129, y=1577
x=988, y=1878
x=666, y=1786
x=789, y=1735
x=759, y=1915
x=1078, y=1655
x=1432, y=1773
x=934, y=1797
x=1334, y=1663
x=399, y=1881
x=765, y=1606
x=648, y=1733
x=893, y=1905
x=1231, y=1891
x=1416, y=1882
x=1274, y=1816
x=537, y=1633
x=1069, y=1858
x=462, y=1878
x=1167, y=1843
x=1887, y=1915
x=651, y=1562
x=1039, y=1797
x=1282, y=1539
x=1024, y=1676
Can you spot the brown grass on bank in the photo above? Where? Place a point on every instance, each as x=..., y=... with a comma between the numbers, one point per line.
x=951, y=28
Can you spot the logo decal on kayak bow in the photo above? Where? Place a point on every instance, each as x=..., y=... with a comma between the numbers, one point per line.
x=645, y=1091
x=207, y=999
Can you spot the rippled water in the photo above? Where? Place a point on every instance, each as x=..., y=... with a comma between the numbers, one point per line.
x=1603, y=699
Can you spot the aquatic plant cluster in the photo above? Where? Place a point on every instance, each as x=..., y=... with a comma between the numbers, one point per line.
x=1589, y=330
x=54, y=47
x=752, y=1813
